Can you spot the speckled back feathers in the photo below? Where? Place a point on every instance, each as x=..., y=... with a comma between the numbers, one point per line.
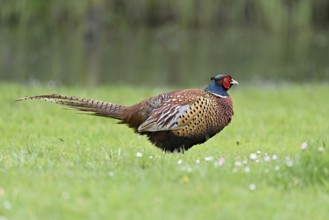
x=193, y=114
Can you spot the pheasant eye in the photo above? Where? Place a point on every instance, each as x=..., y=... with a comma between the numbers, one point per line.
x=226, y=82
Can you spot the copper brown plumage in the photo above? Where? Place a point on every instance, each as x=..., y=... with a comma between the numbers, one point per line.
x=173, y=121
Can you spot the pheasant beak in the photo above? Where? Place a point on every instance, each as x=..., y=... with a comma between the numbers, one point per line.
x=233, y=82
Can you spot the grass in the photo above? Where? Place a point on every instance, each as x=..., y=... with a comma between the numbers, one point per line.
x=57, y=164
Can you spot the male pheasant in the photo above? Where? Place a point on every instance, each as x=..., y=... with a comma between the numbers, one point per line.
x=173, y=121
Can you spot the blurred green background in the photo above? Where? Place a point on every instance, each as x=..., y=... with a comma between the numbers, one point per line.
x=159, y=43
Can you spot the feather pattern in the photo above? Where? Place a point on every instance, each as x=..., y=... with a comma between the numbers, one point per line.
x=97, y=107
x=163, y=119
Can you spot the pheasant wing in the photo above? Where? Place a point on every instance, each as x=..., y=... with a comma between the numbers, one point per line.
x=172, y=116
x=164, y=118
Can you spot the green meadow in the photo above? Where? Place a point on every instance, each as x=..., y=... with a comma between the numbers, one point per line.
x=271, y=162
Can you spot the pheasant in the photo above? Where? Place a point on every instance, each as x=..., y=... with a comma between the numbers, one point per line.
x=173, y=121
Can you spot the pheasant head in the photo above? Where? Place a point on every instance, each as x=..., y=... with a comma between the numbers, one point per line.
x=220, y=84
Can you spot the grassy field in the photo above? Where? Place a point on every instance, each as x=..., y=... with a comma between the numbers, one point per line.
x=272, y=162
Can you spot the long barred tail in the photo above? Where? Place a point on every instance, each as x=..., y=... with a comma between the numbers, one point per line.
x=96, y=107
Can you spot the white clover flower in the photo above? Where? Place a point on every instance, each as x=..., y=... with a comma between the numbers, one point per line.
x=139, y=154
x=187, y=168
x=179, y=161
x=253, y=156
x=274, y=157
x=210, y=158
x=289, y=162
x=220, y=162
x=197, y=161
x=252, y=187
x=267, y=158
x=303, y=146
x=238, y=163
x=7, y=204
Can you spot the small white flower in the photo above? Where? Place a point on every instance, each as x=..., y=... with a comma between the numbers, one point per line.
x=220, y=162
x=247, y=169
x=139, y=154
x=237, y=163
x=303, y=146
x=197, y=161
x=289, y=162
x=151, y=157
x=253, y=156
x=186, y=168
x=274, y=157
x=252, y=187
x=179, y=161
x=267, y=158
x=7, y=204
x=210, y=158
x=257, y=161
x=277, y=167
x=258, y=152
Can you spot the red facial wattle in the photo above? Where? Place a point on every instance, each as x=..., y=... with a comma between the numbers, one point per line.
x=226, y=82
